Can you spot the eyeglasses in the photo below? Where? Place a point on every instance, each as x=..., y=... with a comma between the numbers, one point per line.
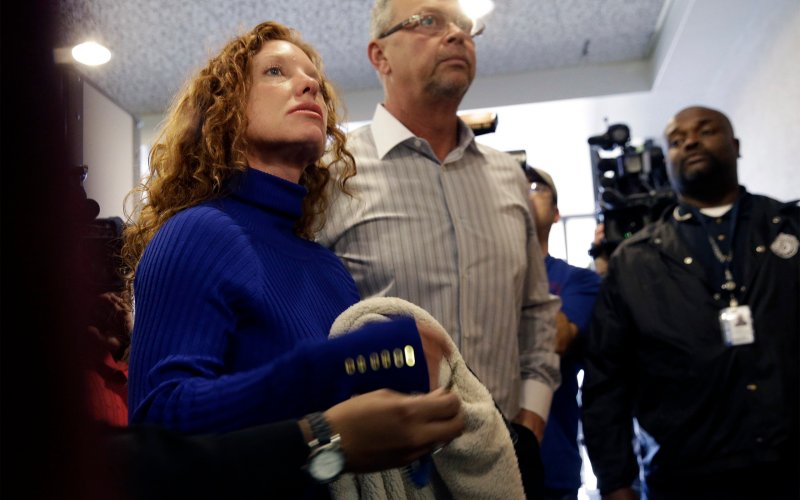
x=434, y=24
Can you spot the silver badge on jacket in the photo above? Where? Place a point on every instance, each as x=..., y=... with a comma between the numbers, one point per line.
x=785, y=245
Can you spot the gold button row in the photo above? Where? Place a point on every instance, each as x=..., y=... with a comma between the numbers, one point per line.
x=385, y=360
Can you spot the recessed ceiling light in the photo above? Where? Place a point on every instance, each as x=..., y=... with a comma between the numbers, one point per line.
x=91, y=53
x=476, y=8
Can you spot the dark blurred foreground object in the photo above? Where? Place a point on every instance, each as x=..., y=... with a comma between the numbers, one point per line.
x=103, y=241
x=260, y=462
x=48, y=449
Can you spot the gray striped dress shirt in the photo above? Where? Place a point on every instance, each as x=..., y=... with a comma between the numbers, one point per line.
x=456, y=238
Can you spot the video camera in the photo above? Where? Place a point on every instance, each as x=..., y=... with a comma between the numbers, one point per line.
x=103, y=243
x=630, y=183
x=101, y=239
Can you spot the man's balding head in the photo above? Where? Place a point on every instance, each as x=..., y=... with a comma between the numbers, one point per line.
x=702, y=154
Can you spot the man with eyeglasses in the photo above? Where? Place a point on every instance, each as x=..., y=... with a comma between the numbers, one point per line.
x=444, y=222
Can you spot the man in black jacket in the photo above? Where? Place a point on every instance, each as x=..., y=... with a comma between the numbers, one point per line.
x=695, y=337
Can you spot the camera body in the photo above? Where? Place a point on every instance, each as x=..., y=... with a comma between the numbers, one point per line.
x=631, y=184
x=102, y=244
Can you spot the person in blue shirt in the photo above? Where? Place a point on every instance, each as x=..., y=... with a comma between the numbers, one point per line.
x=578, y=289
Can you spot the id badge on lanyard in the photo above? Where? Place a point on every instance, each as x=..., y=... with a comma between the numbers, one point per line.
x=736, y=322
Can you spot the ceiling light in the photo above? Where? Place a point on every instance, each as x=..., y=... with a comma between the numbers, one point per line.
x=475, y=9
x=91, y=53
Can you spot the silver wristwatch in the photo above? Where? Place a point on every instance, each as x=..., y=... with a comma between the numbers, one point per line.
x=325, y=460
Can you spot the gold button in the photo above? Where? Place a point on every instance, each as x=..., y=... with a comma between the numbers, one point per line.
x=386, y=359
x=776, y=219
x=721, y=237
x=761, y=249
x=719, y=221
x=688, y=260
x=752, y=387
x=361, y=363
x=717, y=296
x=349, y=366
x=398, y=358
x=411, y=359
x=374, y=361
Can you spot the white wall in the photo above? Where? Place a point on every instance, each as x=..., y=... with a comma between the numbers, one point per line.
x=149, y=128
x=108, y=150
x=765, y=106
x=739, y=56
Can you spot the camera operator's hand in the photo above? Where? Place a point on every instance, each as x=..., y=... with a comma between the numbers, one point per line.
x=566, y=333
x=532, y=421
x=600, y=259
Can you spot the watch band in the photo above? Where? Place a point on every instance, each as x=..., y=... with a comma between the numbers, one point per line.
x=320, y=429
x=326, y=460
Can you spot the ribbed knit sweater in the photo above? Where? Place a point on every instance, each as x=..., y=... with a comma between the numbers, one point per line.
x=232, y=312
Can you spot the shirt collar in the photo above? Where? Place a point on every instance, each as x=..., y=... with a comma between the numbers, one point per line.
x=684, y=212
x=716, y=211
x=388, y=132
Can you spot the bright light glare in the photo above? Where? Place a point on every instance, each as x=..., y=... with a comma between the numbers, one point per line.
x=91, y=53
x=475, y=9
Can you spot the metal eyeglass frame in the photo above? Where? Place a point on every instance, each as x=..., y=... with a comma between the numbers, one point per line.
x=477, y=26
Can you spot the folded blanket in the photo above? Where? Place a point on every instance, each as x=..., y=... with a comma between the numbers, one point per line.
x=479, y=464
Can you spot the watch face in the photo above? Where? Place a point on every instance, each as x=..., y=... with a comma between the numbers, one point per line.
x=327, y=464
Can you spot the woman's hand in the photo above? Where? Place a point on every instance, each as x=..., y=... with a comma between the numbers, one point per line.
x=436, y=348
x=384, y=429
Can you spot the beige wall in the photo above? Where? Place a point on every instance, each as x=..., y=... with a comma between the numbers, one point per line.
x=765, y=104
x=108, y=149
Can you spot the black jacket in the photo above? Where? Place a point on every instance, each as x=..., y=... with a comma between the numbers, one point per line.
x=263, y=462
x=655, y=352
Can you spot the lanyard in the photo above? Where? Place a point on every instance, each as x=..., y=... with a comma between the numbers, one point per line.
x=730, y=284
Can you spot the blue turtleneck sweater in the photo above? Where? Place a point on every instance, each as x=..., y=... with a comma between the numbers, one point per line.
x=232, y=313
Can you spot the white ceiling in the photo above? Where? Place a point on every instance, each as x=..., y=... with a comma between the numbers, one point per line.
x=157, y=44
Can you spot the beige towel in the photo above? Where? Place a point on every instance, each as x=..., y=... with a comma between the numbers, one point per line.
x=479, y=464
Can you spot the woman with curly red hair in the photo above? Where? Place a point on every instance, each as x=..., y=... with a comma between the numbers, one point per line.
x=232, y=297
